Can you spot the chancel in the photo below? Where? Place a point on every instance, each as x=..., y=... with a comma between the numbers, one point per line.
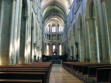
x=55, y=41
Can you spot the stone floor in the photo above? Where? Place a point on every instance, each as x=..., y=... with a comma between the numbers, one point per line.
x=60, y=75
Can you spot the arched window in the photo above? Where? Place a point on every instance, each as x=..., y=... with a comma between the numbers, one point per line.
x=54, y=29
x=54, y=48
x=60, y=49
x=47, y=49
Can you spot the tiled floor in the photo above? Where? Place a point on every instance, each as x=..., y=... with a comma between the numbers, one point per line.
x=60, y=75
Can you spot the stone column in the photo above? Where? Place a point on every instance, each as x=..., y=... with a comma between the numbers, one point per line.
x=79, y=46
x=81, y=42
x=15, y=33
x=30, y=56
x=19, y=29
x=88, y=42
x=27, y=37
x=0, y=7
x=74, y=57
x=5, y=29
x=93, y=40
x=22, y=34
x=97, y=41
x=50, y=49
x=1, y=19
x=57, y=48
x=105, y=32
x=12, y=46
x=86, y=58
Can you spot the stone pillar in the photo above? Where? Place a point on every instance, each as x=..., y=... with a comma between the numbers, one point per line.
x=1, y=15
x=30, y=55
x=19, y=29
x=93, y=40
x=22, y=34
x=81, y=41
x=97, y=41
x=15, y=32
x=105, y=32
x=74, y=57
x=57, y=48
x=51, y=49
x=88, y=57
x=5, y=29
x=27, y=37
x=107, y=19
x=0, y=7
x=12, y=38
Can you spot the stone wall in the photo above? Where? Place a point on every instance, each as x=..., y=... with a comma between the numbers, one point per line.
x=20, y=27
x=89, y=31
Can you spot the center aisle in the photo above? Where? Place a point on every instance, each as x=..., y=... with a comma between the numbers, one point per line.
x=60, y=75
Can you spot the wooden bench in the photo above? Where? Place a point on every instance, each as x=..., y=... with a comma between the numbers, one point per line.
x=36, y=71
x=90, y=72
x=29, y=70
x=103, y=75
x=85, y=71
x=24, y=76
x=19, y=81
x=92, y=69
x=110, y=77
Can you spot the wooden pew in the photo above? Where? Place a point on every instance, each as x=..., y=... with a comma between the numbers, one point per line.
x=40, y=70
x=19, y=81
x=103, y=75
x=30, y=70
x=24, y=76
x=110, y=77
x=92, y=69
x=90, y=74
x=85, y=71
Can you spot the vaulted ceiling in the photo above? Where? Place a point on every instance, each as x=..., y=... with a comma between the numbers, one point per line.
x=52, y=8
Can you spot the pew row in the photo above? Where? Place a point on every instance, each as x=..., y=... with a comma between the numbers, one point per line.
x=34, y=72
x=90, y=72
x=19, y=81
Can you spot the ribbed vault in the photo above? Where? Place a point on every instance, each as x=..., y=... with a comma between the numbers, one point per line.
x=52, y=8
